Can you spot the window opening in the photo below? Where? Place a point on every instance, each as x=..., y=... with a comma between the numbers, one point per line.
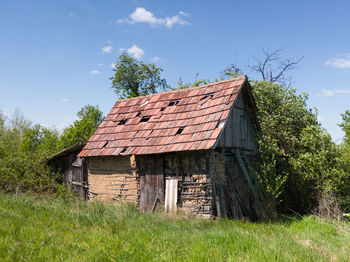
x=179, y=131
x=210, y=95
x=145, y=118
x=123, y=122
x=106, y=143
x=123, y=151
x=162, y=109
x=139, y=113
x=173, y=102
x=220, y=124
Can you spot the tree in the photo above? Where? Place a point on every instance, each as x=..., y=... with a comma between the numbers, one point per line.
x=134, y=78
x=272, y=67
x=82, y=129
x=299, y=159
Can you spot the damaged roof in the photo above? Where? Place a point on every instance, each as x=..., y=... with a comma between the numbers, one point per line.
x=180, y=120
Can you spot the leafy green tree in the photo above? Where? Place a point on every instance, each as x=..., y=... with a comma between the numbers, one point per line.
x=23, y=152
x=82, y=129
x=134, y=78
x=300, y=160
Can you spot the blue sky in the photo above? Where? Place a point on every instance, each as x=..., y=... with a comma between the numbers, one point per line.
x=56, y=56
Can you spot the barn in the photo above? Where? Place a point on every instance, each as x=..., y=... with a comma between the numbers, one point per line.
x=189, y=150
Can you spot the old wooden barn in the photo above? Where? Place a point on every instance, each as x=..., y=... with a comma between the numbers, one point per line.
x=188, y=150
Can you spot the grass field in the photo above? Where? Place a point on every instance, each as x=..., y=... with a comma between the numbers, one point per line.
x=58, y=230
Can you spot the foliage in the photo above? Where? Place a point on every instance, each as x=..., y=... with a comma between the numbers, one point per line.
x=23, y=152
x=134, y=78
x=345, y=125
x=82, y=129
x=299, y=158
x=80, y=231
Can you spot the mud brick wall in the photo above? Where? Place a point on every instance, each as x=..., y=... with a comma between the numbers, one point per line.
x=113, y=179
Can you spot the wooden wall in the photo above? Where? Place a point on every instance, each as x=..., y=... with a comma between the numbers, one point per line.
x=238, y=130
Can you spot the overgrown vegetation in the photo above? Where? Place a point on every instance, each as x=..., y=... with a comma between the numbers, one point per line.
x=24, y=149
x=56, y=230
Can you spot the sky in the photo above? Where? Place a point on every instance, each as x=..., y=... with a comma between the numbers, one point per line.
x=57, y=56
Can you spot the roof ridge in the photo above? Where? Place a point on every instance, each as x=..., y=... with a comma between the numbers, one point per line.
x=190, y=88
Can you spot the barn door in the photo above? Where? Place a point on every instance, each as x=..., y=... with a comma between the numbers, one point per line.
x=151, y=183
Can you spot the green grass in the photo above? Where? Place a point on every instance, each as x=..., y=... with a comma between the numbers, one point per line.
x=58, y=230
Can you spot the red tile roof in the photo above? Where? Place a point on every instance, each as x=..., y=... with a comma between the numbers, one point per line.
x=180, y=120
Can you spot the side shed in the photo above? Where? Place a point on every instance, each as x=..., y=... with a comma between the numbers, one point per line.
x=189, y=150
x=72, y=168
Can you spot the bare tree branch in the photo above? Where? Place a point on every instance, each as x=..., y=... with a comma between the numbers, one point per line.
x=272, y=67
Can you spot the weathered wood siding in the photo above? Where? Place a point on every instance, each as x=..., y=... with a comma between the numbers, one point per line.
x=238, y=130
x=113, y=179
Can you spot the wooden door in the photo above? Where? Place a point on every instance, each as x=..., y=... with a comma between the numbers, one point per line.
x=151, y=183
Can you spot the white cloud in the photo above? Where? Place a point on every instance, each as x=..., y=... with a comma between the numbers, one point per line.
x=107, y=49
x=341, y=62
x=95, y=72
x=329, y=92
x=157, y=59
x=135, y=51
x=64, y=100
x=141, y=15
x=113, y=65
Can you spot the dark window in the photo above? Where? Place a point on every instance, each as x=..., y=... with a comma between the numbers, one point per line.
x=145, y=118
x=139, y=113
x=123, y=151
x=209, y=96
x=173, y=102
x=123, y=122
x=162, y=109
x=106, y=143
x=179, y=131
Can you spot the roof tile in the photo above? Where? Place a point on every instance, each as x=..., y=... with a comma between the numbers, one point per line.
x=158, y=135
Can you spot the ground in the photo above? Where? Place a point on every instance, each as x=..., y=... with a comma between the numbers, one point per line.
x=66, y=230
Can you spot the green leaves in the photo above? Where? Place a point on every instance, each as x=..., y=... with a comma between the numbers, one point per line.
x=81, y=130
x=134, y=78
x=299, y=158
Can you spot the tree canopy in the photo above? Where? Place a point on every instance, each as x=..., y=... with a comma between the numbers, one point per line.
x=82, y=129
x=133, y=77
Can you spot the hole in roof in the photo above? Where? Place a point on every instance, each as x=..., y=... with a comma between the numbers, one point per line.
x=139, y=113
x=173, y=102
x=145, y=118
x=162, y=109
x=209, y=95
x=123, y=150
x=106, y=143
x=145, y=103
x=179, y=131
x=220, y=124
x=123, y=121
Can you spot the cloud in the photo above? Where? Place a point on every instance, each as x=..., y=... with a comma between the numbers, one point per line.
x=157, y=59
x=141, y=15
x=107, y=49
x=135, y=51
x=329, y=92
x=100, y=64
x=113, y=65
x=64, y=100
x=341, y=62
x=95, y=72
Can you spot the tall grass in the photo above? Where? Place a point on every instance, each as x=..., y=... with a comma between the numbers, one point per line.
x=59, y=230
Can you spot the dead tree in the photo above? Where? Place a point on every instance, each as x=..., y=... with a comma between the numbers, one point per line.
x=272, y=67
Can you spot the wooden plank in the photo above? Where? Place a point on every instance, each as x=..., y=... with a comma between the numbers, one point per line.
x=151, y=182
